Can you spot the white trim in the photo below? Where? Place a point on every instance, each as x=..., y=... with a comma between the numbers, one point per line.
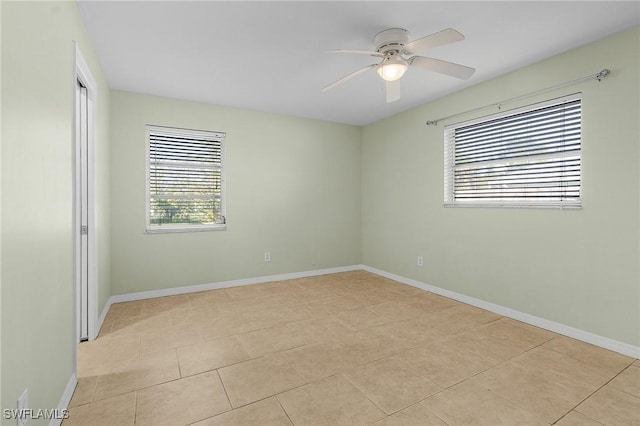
x=450, y=166
x=517, y=110
x=66, y=399
x=192, y=133
x=167, y=229
x=585, y=336
x=83, y=73
x=226, y=284
x=181, y=131
x=528, y=205
x=103, y=314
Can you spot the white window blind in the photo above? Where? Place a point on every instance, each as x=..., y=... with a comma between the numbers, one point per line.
x=529, y=157
x=185, y=179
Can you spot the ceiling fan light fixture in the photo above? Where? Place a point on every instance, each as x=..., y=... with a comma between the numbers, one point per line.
x=391, y=71
x=398, y=54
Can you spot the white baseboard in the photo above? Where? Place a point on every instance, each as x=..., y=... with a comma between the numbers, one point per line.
x=226, y=284
x=129, y=297
x=565, y=330
x=103, y=314
x=585, y=336
x=65, y=400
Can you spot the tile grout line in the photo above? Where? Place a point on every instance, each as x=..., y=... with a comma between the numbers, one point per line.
x=572, y=410
x=306, y=382
x=149, y=386
x=445, y=388
x=362, y=391
x=175, y=350
x=204, y=372
x=93, y=396
x=93, y=393
x=225, y=391
x=282, y=407
x=504, y=362
x=591, y=394
x=581, y=361
x=614, y=377
x=264, y=398
x=342, y=372
x=135, y=406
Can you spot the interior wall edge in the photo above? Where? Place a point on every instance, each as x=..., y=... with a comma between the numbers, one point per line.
x=576, y=267
x=292, y=190
x=64, y=401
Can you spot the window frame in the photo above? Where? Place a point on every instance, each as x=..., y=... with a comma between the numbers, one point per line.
x=172, y=228
x=450, y=166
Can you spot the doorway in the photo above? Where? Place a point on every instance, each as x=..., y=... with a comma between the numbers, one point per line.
x=82, y=137
x=84, y=189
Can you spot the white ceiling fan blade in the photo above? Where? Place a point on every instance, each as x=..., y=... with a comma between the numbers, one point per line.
x=442, y=67
x=357, y=52
x=434, y=40
x=348, y=77
x=393, y=91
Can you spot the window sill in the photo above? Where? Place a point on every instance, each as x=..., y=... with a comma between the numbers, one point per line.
x=175, y=229
x=516, y=206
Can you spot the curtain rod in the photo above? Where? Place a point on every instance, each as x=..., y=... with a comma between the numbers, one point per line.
x=598, y=76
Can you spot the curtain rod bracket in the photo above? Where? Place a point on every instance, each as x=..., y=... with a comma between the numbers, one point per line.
x=599, y=76
x=602, y=74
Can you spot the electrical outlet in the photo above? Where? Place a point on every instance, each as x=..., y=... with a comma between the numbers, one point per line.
x=267, y=256
x=420, y=261
x=22, y=406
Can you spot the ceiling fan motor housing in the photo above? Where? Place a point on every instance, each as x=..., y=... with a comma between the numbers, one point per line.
x=393, y=39
x=398, y=54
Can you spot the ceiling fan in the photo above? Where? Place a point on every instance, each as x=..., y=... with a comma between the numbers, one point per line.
x=398, y=54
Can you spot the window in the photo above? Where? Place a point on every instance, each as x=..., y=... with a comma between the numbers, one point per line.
x=529, y=157
x=185, y=180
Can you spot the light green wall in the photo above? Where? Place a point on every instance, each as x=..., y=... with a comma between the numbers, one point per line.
x=315, y=194
x=0, y=200
x=37, y=264
x=576, y=267
x=293, y=188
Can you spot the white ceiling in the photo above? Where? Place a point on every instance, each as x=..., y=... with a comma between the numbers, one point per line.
x=271, y=56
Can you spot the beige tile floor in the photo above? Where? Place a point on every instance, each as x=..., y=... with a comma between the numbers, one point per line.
x=343, y=349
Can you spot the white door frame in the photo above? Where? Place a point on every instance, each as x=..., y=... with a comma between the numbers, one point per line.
x=83, y=74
